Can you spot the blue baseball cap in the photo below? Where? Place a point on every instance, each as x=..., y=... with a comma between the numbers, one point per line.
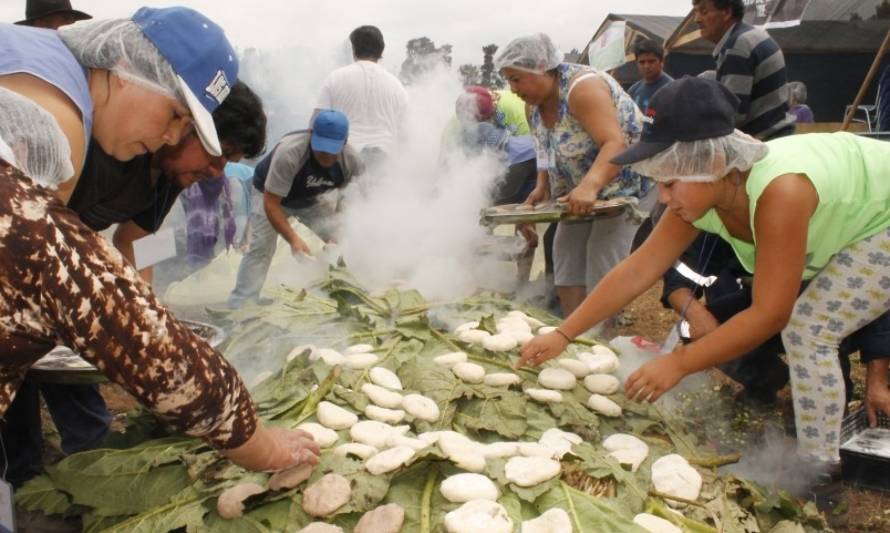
x=202, y=58
x=329, y=131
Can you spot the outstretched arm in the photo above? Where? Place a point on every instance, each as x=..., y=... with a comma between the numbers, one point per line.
x=780, y=223
x=629, y=279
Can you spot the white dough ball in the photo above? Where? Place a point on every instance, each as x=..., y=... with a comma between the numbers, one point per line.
x=385, y=378
x=557, y=378
x=461, y=488
x=469, y=372
x=335, y=417
x=604, y=406
x=531, y=471
x=544, y=395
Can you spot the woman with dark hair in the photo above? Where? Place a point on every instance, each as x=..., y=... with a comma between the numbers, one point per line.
x=580, y=118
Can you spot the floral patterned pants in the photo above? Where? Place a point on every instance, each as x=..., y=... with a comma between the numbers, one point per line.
x=850, y=292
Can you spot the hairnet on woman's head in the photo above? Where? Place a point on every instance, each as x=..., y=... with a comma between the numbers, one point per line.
x=176, y=51
x=534, y=53
x=120, y=46
x=34, y=141
x=703, y=160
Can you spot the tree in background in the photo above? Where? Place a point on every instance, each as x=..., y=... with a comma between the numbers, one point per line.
x=469, y=75
x=422, y=57
x=490, y=77
x=572, y=57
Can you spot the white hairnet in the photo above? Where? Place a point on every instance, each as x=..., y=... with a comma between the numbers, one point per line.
x=704, y=160
x=34, y=141
x=120, y=46
x=533, y=53
x=798, y=92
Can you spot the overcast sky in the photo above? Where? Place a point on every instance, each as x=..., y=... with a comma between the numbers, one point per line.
x=466, y=24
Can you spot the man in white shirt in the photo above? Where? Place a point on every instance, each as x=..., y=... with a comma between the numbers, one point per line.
x=373, y=99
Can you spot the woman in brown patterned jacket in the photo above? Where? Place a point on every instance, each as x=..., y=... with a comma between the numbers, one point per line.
x=62, y=284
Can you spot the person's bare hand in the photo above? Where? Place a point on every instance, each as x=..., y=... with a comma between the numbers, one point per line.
x=528, y=233
x=271, y=449
x=581, y=199
x=701, y=323
x=655, y=378
x=300, y=248
x=877, y=400
x=539, y=194
x=541, y=349
x=295, y=447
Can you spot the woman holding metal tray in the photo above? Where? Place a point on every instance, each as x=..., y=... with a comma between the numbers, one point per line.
x=580, y=119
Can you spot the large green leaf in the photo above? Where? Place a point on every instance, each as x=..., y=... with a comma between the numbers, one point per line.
x=41, y=494
x=93, y=523
x=284, y=390
x=266, y=518
x=588, y=514
x=539, y=419
x=186, y=510
x=173, y=483
x=417, y=491
x=120, y=482
x=121, y=494
x=356, y=400
x=499, y=411
x=572, y=413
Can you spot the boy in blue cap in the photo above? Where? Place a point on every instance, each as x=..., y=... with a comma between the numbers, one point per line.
x=288, y=183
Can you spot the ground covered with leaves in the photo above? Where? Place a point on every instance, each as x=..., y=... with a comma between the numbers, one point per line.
x=151, y=481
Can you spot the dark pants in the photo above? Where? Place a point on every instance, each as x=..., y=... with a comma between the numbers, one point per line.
x=549, y=235
x=78, y=411
x=517, y=184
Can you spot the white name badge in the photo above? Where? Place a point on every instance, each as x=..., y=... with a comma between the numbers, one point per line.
x=7, y=508
x=154, y=248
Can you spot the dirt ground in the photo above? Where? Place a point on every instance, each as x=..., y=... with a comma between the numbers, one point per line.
x=869, y=511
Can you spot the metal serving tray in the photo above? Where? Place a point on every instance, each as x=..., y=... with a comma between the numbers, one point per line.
x=551, y=211
x=63, y=365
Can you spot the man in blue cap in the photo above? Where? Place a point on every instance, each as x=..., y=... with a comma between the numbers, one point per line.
x=288, y=183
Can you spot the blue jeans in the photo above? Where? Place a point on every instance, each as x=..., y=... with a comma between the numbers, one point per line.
x=78, y=411
x=255, y=264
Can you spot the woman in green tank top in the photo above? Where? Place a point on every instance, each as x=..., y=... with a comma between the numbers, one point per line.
x=811, y=207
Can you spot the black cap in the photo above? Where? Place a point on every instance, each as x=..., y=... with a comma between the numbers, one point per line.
x=688, y=109
x=35, y=9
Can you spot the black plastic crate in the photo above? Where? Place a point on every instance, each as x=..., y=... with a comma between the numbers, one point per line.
x=865, y=453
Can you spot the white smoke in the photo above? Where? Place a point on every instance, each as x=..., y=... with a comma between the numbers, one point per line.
x=416, y=219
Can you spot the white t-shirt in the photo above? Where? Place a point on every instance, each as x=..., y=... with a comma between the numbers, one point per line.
x=372, y=99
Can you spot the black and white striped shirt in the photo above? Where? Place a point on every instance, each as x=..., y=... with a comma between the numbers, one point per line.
x=751, y=64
